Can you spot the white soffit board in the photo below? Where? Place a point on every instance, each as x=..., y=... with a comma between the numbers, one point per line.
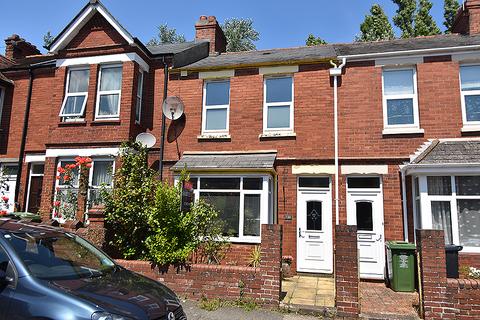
x=35, y=158
x=278, y=69
x=466, y=57
x=366, y=169
x=92, y=152
x=216, y=74
x=110, y=58
x=398, y=61
x=313, y=169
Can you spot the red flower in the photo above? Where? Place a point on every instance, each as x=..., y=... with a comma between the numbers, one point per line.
x=56, y=204
x=66, y=178
x=70, y=166
x=3, y=212
x=88, y=160
x=88, y=165
x=58, y=177
x=61, y=170
x=5, y=198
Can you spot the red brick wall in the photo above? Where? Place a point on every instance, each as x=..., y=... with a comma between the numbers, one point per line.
x=469, y=259
x=346, y=271
x=225, y=282
x=465, y=296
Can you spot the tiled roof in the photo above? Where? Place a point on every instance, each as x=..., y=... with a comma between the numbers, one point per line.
x=450, y=152
x=172, y=48
x=217, y=161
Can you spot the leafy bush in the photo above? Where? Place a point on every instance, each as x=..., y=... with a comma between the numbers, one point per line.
x=145, y=218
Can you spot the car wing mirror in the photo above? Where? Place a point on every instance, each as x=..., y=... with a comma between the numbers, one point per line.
x=4, y=279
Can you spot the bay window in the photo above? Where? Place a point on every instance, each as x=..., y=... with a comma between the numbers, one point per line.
x=216, y=106
x=400, y=104
x=452, y=204
x=470, y=91
x=243, y=202
x=278, y=104
x=109, y=92
x=76, y=94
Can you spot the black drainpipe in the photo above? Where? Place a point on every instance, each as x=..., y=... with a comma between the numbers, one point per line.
x=24, y=139
x=162, y=141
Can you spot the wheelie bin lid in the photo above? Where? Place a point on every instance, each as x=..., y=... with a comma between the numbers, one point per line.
x=400, y=245
x=453, y=248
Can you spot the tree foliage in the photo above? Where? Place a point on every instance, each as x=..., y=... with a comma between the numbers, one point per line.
x=404, y=17
x=314, y=41
x=424, y=23
x=145, y=217
x=376, y=26
x=166, y=35
x=450, y=8
x=240, y=34
x=47, y=39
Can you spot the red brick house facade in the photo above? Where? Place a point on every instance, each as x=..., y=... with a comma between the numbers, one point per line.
x=259, y=132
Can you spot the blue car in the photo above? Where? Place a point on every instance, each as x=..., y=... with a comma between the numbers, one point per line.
x=47, y=273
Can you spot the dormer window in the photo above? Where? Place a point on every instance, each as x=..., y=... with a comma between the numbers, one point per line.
x=76, y=93
x=109, y=92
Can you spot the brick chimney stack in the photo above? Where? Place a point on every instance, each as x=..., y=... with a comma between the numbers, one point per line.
x=207, y=28
x=468, y=18
x=17, y=48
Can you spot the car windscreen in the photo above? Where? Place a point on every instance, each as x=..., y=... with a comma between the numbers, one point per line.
x=59, y=256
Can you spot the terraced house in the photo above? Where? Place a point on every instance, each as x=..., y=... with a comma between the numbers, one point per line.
x=380, y=135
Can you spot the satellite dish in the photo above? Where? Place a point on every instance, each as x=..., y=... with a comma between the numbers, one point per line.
x=146, y=139
x=173, y=108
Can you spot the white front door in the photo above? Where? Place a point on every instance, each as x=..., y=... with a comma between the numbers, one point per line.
x=365, y=210
x=314, y=229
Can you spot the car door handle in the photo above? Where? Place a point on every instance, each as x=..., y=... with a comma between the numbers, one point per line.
x=300, y=233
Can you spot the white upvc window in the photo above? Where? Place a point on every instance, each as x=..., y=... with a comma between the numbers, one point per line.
x=278, y=110
x=470, y=92
x=109, y=92
x=452, y=204
x=100, y=175
x=400, y=100
x=216, y=107
x=139, y=102
x=244, y=203
x=2, y=99
x=76, y=93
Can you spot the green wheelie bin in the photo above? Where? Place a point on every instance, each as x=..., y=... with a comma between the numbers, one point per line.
x=401, y=265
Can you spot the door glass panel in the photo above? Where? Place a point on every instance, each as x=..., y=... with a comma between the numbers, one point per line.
x=364, y=183
x=439, y=186
x=364, y=216
x=314, y=182
x=442, y=218
x=314, y=215
x=37, y=168
x=469, y=222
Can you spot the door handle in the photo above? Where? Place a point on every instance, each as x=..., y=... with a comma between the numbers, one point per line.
x=300, y=233
x=379, y=238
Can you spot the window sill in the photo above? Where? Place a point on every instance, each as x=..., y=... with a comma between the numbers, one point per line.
x=72, y=123
x=101, y=122
x=277, y=135
x=219, y=137
x=401, y=131
x=245, y=240
x=471, y=128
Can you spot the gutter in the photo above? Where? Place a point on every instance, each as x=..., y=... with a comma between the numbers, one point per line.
x=336, y=72
x=409, y=52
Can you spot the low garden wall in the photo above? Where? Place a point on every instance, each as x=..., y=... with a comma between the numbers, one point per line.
x=263, y=284
x=444, y=298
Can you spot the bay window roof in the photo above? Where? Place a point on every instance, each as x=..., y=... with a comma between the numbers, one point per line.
x=225, y=161
x=450, y=152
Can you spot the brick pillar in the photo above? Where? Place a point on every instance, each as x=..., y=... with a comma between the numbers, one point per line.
x=48, y=188
x=433, y=275
x=346, y=271
x=271, y=264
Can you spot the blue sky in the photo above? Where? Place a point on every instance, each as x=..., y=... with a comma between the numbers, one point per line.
x=280, y=23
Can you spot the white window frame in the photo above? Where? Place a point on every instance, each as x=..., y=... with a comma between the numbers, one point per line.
x=467, y=124
x=213, y=107
x=81, y=114
x=426, y=208
x=2, y=100
x=109, y=92
x=266, y=105
x=401, y=128
x=90, y=175
x=266, y=214
x=139, y=99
